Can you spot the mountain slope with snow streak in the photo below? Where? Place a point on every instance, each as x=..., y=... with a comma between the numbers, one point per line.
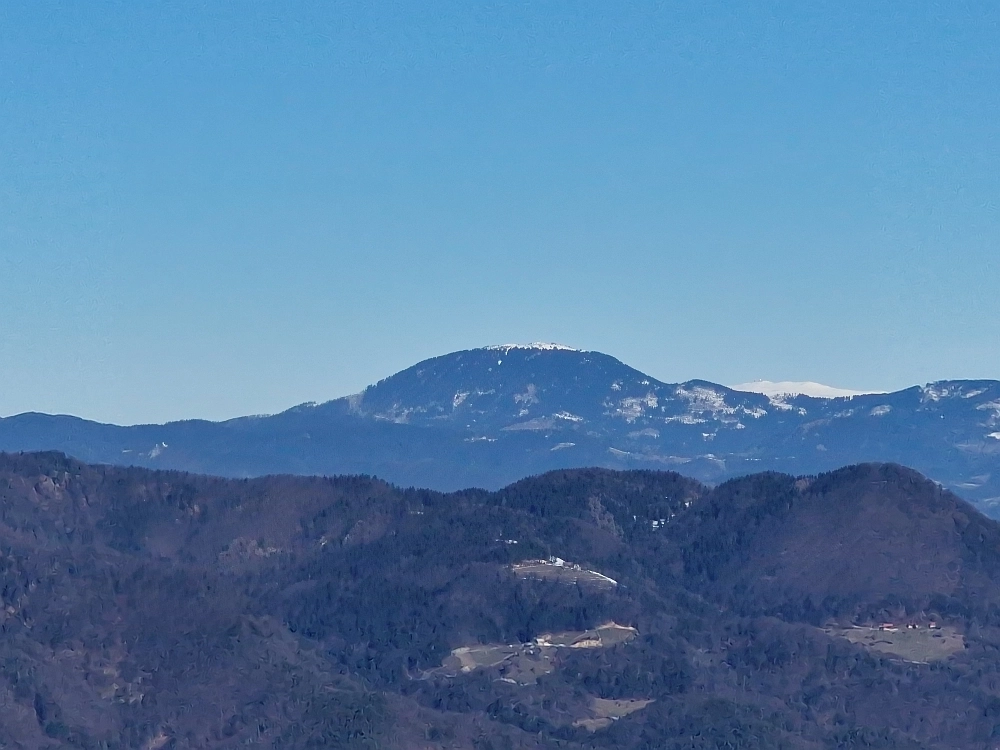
x=487, y=417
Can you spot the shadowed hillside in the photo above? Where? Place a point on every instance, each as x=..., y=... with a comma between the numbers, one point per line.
x=159, y=609
x=854, y=538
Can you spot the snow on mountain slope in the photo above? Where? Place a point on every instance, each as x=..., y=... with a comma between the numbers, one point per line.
x=793, y=388
x=489, y=416
x=545, y=388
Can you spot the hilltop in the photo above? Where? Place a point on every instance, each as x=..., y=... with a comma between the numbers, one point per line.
x=159, y=609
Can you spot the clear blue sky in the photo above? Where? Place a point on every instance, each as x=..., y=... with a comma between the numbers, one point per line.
x=217, y=208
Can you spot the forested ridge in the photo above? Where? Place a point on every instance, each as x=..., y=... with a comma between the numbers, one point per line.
x=164, y=610
x=491, y=416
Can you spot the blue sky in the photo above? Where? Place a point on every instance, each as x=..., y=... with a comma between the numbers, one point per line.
x=212, y=209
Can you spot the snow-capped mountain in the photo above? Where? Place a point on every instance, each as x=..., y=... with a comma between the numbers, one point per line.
x=492, y=415
x=532, y=388
x=797, y=388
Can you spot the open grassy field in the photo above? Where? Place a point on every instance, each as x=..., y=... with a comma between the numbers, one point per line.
x=524, y=663
x=474, y=657
x=603, y=636
x=563, y=572
x=604, y=711
x=921, y=645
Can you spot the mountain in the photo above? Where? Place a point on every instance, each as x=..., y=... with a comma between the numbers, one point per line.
x=870, y=535
x=579, y=609
x=803, y=388
x=488, y=417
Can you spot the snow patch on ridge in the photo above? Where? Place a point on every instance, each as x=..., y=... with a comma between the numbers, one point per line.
x=529, y=397
x=948, y=389
x=567, y=416
x=632, y=408
x=993, y=406
x=685, y=419
x=701, y=399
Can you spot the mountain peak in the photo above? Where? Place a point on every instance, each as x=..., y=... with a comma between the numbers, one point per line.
x=515, y=386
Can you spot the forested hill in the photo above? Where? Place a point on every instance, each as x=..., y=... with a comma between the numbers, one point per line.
x=580, y=609
x=488, y=417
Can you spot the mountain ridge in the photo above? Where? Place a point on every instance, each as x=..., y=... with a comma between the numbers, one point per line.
x=153, y=609
x=798, y=388
x=490, y=416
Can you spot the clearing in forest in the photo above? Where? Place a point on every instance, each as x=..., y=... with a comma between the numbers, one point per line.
x=557, y=569
x=920, y=645
x=524, y=663
x=604, y=711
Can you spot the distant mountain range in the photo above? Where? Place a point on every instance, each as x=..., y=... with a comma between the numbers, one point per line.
x=807, y=388
x=487, y=417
